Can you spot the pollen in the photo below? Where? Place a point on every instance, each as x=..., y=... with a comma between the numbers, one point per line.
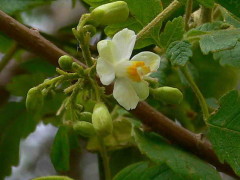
x=137, y=70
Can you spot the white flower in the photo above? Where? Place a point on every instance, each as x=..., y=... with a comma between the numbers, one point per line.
x=114, y=64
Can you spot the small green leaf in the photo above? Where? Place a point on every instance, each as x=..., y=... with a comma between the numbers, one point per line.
x=173, y=31
x=230, y=57
x=179, y=53
x=53, y=178
x=143, y=171
x=224, y=130
x=206, y=3
x=219, y=40
x=180, y=162
x=61, y=150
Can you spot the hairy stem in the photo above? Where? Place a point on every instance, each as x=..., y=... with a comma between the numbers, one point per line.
x=8, y=56
x=84, y=44
x=206, y=15
x=164, y=14
x=105, y=159
x=188, y=12
x=197, y=92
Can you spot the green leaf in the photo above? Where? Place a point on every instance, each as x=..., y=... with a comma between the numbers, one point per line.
x=132, y=24
x=224, y=130
x=96, y=3
x=179, y=53
x=230, y=57
x=61, y=150
x=207, y=3
x=143, y=12
x=230, y=18
x=212, y=75
x=39, y=65
x=121, y=158
x=13, y=6
x=15, y=124
x=173, y=31
x=53, y=178
x=233, y=6
x=20, y=84
x=5, y=42
x=143, y=171
x=180, y=162
x=219, y=40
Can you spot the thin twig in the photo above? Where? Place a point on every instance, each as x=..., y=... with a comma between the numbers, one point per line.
x=197, y=92
x=188, y=12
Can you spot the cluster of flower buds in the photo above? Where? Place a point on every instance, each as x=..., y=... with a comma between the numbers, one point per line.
x=97, y=123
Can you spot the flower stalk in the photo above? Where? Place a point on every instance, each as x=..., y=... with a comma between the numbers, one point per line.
x=197, y=92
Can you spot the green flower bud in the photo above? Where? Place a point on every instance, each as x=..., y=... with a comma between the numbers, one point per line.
x=65, y=62
x=169, y=95
x=34, y=100
x=110, y=13
x=83, y=128
x=102, y=120
x=86, y=116
x=77, y=68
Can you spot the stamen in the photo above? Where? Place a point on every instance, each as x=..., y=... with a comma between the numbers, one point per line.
x=137, y=70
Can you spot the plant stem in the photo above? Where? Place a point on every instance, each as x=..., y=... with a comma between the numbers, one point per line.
x=197, y=92
x=57, y=79
x=8, y=56
x=165, y=13
x=188, y=12
x=206, y=15
x=104, y=155
x=84, y=44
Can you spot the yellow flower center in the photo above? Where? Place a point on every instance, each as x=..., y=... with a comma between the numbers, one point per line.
x=137, y=70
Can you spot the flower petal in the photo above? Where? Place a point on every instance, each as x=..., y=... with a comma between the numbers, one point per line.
x=125, y=94
x=106, y=50
x=105, y=71
x=141, y=89
x=124, y=42
x=151, y=59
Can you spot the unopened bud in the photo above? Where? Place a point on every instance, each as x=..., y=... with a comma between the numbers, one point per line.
x=110, y=13
x=34, y=100
x=65, y=62
x=83, y=128
x=102, y=120
x=169, y=95
x=77, y=68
